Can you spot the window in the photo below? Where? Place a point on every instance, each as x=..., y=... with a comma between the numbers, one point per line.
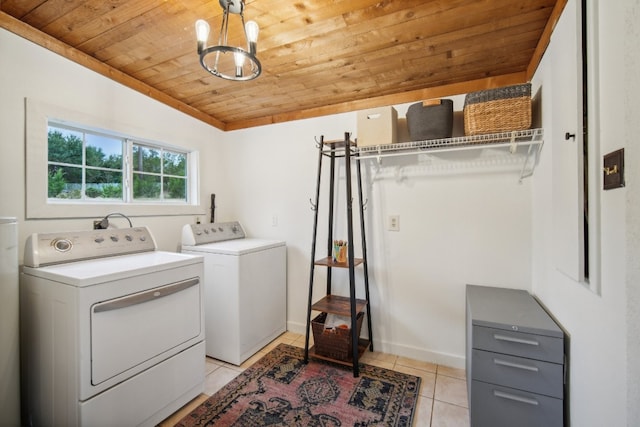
x=80, y=166
x=83, y=165
x=89, y=166
x=159, y=174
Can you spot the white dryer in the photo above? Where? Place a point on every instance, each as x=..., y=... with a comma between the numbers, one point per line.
x=112, y=329
x=245, y=289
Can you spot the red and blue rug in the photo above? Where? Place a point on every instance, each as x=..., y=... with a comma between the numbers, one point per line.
x=281, y=390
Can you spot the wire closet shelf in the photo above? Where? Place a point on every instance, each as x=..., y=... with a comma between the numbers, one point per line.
x=531, y=138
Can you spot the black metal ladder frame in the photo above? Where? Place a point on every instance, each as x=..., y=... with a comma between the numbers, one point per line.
x=331, y=153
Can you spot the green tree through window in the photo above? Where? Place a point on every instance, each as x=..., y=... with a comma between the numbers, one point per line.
x=85, y=165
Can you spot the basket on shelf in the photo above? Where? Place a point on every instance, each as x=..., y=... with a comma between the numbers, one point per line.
x=431, y=119
x=334, y=343
x=498, y=110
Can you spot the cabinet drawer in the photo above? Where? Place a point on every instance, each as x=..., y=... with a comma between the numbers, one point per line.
x=531, y=346
x=517, y=372
x=496, y=406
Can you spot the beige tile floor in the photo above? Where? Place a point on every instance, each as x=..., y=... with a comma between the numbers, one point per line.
x=443, y=392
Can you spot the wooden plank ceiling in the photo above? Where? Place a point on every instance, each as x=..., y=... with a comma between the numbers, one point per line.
x=318, y=56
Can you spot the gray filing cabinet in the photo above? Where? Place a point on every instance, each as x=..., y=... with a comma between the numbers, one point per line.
x=515, y=360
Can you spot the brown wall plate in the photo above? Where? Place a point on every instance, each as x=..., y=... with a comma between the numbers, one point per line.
x=613, y=170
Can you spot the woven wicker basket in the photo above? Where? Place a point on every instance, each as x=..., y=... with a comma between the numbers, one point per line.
x=333, y=343
x=498, y=110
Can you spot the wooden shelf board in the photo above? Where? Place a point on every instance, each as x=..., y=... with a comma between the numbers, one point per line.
x=338, y=143
x=329, y=262
x=339, y=305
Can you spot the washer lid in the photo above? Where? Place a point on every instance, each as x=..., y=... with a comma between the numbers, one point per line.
x=101, y=270
x=236, y=247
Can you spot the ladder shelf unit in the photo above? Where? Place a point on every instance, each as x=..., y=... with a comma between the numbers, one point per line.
x=345, y=306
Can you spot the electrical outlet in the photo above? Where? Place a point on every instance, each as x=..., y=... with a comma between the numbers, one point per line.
x=274, y=221
x=393, y=223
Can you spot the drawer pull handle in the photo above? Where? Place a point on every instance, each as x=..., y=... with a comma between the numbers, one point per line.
x=515, y=365
x=510, y=396
x=516, y=340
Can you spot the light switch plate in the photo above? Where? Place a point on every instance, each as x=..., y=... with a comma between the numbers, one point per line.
x=394, y=223
x=613, y=170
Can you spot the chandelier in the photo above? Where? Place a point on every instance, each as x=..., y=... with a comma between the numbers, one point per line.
x=222, y=60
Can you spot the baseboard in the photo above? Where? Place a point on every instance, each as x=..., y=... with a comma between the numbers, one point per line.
x=413, y=352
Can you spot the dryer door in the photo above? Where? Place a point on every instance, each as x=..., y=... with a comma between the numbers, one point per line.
x=136, y=328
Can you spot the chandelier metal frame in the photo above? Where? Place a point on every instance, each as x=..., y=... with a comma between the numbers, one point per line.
x=246, y=65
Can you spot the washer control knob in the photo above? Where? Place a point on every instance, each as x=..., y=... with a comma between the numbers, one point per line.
x=99, y=239
x=128, y=237
x=220, y=229
x=62, y=245
x=234, y=229
x=206, y=231
x=114, y=238
x=214, y=230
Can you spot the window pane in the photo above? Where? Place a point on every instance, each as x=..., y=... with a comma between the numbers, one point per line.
x=103, y=184
x=175, y=189
x=146, y=159
x=146, y=186
x=103, y=151
x=64, y=146
x=91, y=166
x=175, y=163
x=65, y=182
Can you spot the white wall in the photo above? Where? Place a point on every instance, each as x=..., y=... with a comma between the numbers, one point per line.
x=632, y=151
x=457, y=226
x=596, y=324
x=29, y=71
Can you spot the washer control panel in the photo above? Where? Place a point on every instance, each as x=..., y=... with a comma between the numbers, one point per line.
x=200, y=234
x=55, y=248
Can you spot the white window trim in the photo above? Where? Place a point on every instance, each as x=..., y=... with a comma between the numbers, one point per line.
x=38, y=206
x=594, y=168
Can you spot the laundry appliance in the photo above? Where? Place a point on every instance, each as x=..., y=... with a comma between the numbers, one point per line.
x=112, y=329
x=244, y=286
x=9, y=324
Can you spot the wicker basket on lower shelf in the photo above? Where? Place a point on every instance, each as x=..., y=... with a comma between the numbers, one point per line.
x=498, y=110
x=333, y=343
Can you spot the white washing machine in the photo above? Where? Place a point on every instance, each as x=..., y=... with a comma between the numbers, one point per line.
x=112, y=329
x=244, y=286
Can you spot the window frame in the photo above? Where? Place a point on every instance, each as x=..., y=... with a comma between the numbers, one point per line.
x=39, y=206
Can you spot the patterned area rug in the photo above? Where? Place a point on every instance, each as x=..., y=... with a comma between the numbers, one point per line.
x=281, y=390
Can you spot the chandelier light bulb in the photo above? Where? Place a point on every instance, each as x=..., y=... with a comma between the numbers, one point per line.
x=202, y=30
x=252, y=31
x=238, y=58
x=202, y=34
